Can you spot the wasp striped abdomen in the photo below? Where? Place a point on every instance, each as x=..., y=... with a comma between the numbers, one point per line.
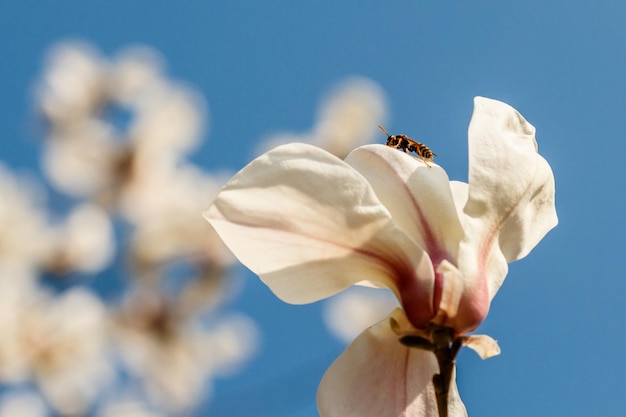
x=406, y=144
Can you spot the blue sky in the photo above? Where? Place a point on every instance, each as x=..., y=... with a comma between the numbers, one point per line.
x=263, y=67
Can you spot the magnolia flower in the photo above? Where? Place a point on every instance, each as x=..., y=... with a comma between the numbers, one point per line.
x=83, y=242
x=311, y=225
x=136, y=72
x=74, y=84
x=175, y=355
x=85, y=159
x=58, y=342
x=349, y=313
x=126, y=409
x=22, y=404
x=91, y=152
x=165, y=219
x=24, y=223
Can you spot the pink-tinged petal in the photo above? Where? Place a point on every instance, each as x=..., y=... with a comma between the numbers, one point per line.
x=310, y=226
x=511, y=192
x=417, y=196
x=464, y=305
x=377, y=376
x=421, y=203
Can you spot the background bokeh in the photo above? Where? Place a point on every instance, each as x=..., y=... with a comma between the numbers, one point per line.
x=265, y=67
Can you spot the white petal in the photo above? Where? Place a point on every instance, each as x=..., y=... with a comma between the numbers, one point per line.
x=377, y=376
x=310, y=226
x=417, y=196
x=460, y=191
x=511, y=189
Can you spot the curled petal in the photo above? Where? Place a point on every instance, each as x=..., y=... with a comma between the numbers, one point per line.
x=510, y=205
x=484, y=345
x=310, y=226
x=417, y=196
x=377, y=376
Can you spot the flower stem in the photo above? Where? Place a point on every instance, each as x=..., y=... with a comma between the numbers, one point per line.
x=445, y=350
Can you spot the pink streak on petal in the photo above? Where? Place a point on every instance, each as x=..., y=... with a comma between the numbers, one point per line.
x=473, y=308
x=411, y=292
x=421, y=203
x=409, y=274
x=511, y=189
x=414, y=293
x=475, y=302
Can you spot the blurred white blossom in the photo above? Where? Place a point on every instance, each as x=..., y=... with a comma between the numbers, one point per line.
x=117, y=133
x=347, y=117
x=126, y=409
x=349, y=313
x=83, y=160
x=174, y=354
x=137, y=70
x=24, y=223
x=168, y=122
x=73, y=86
x=83, y=96
x=138, y=167
x=31, y=240
x=58, y=342
x=166, y=217
x=83, y=242
x=22, y=404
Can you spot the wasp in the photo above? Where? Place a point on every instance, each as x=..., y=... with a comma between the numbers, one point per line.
x=406, y=144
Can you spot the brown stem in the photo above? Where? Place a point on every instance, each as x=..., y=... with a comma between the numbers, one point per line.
x=445, y=351
x=445, y=346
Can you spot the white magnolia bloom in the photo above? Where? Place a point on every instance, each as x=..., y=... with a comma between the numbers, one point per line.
x=83, y=160
x=136, y=167
x=136, y=72
x=177, y=357
x=349, y=313
x=345, y=115
x=74, y=85
x=118, y=133
x=311, y=225
x=168, y=118
x=84, y=242
x=92, y=152
x=22, y=404
x=58, y=342
x=163, y=206
x=126, y=409
x=24, y=223
x=343, y=120
x=169, y=121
